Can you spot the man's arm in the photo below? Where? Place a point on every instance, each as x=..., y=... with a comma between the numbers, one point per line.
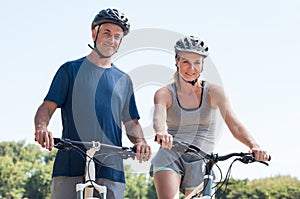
x=41, y=121
x=135, y=135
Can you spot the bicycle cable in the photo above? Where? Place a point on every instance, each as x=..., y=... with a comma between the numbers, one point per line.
x=226, y=179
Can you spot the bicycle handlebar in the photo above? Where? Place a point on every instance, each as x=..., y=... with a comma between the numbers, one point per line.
x=244, y=157
x=186, y=147
x=67, y=144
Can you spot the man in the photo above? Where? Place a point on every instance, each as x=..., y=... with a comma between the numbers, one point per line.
x=95, y=98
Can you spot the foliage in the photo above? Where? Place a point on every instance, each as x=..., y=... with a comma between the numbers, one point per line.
x=25, y=170
x=151, y=192
x=38, y=185
x=12, y=177
x=279, y=187
x=137, y=185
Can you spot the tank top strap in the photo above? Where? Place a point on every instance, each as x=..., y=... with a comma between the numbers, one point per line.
x=173, y=91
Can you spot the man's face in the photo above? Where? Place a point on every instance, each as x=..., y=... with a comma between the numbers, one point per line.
x=109, y=38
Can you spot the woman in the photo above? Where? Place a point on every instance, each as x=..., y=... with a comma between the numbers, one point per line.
x=185, y=110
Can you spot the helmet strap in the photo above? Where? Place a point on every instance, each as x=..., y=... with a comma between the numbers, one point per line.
x=98, y=52
x=190, y=82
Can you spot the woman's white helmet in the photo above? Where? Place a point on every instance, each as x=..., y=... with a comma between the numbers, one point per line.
x=191, y=44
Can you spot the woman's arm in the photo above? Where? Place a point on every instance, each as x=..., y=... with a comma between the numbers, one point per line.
x=218, y=99
x=162, y=101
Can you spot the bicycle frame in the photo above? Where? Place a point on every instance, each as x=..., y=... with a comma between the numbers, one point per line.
x=85, y=190
x=207, y=184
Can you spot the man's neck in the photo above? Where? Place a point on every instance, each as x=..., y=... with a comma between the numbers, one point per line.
x=101, y=62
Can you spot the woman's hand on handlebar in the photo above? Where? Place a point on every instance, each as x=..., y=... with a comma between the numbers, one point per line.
x=260, y=154
x=165, y=140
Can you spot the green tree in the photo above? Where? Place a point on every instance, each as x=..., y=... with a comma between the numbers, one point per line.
x=13, y=176
x=25, y=170
x=280, y=187
x=151, y=192
x=20, y=151
x=17, y=160
x=136, y=185
x=38, y=185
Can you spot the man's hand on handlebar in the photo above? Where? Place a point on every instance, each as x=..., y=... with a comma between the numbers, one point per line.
x=44, y=137
x=143, y=151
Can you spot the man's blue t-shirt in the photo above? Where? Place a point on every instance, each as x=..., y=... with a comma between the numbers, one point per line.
x=94, y=102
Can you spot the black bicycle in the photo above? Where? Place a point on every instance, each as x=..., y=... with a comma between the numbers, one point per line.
x=85, y=190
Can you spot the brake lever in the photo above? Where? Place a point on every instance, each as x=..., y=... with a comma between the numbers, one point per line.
x=250, y=159
x=247, y=159
x=63, y=144
x=265, y=163
x=127, y=153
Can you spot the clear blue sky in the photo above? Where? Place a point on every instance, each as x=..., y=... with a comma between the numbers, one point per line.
x=253, y=44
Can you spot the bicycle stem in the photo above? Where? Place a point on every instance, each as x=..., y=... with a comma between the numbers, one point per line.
x=90, y=172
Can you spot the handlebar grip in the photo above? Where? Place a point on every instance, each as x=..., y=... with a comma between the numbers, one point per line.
x=57, y=140
x=269, y=157
x=155, y=139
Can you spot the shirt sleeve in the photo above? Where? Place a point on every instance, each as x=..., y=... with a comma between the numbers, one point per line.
x=59, y=87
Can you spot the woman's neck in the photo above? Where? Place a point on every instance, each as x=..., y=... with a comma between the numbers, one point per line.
x=186, y=87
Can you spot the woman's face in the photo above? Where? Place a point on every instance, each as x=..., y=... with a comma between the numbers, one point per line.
x=189, y=65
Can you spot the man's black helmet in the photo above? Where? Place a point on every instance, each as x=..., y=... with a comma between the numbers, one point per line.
x=112, y=16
